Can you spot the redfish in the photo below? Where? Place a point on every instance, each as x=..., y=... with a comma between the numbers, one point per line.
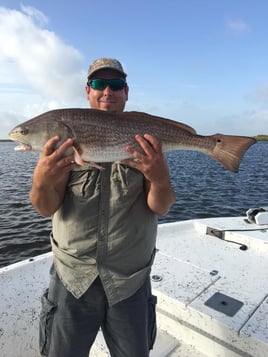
x=101, y=136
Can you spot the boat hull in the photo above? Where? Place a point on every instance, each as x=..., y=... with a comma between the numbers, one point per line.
x=196, y=260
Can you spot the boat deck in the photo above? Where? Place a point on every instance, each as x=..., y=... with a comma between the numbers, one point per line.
x=201, y=263
x=212, y=295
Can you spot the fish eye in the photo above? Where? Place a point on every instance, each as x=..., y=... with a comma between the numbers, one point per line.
x=23, y=131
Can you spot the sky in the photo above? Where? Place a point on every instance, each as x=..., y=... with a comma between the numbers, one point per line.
x=200, y=62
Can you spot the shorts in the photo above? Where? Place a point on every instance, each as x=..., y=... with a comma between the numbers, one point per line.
x=68, y=326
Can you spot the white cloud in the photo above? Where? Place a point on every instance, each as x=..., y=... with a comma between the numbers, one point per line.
x=35, y=14
x=249, y=123
x=259, y=121
x=260, y=94
x=237, y=27
x=38, y=70
x=46, y=63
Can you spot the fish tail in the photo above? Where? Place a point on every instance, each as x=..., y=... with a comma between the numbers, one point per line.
x=229, y=150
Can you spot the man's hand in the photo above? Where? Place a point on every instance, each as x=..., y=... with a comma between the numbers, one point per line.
x=151, y=162
x=53, y=165
x=51, y=175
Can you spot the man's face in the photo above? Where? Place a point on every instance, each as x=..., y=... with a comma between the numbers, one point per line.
x=107, y=99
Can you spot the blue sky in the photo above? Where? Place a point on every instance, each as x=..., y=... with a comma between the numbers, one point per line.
x=201, y=62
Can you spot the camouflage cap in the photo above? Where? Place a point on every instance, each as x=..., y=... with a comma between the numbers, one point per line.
x=108, y=63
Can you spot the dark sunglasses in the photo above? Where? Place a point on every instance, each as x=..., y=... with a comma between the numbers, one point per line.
x=101, y=84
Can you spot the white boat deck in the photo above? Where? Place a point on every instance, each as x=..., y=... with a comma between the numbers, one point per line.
x=190, y=268
x=194, y=266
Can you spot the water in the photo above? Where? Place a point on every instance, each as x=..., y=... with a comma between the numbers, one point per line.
x=203, y=189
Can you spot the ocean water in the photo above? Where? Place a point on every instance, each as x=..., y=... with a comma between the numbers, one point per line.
x=203, y=189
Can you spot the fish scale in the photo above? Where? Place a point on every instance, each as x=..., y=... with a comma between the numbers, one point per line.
x=102, y=136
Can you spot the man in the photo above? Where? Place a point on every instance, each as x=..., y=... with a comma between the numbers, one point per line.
x=103, y=236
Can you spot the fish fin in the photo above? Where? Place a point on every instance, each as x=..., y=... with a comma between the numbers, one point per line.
x=229, y=150
x=145, y=116
x=23, y=147
x=93, y=164
x=78, y=159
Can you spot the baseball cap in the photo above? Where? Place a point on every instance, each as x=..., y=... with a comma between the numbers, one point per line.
x=109, y=63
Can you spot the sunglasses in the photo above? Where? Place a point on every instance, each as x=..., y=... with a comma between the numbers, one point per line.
x=101, y=84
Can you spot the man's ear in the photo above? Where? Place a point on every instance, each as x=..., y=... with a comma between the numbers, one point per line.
x=126, y=89
x=87, y=88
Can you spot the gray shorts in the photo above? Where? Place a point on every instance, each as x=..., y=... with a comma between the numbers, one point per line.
x=68, y=326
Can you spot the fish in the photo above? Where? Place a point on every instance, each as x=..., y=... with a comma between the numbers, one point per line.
x=102, y=136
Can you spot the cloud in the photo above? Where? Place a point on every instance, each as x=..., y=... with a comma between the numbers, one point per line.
x=42, y=59
x=237, y=27
x=260, y=94
x=257, y=121
x=35, y=14
x=38, y=70
x=249, y=123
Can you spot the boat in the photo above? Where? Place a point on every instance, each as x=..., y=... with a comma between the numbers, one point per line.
x=210, y=279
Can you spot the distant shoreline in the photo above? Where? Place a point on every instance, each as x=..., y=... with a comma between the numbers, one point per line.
x=261, y=137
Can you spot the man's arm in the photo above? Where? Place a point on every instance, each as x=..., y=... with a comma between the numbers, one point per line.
x=50, y=177
x=153, y=165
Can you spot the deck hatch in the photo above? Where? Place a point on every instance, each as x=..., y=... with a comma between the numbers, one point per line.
x=224, y=303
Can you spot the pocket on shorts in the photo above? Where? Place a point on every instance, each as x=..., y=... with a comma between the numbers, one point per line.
x=152, y=321
x=45, y=326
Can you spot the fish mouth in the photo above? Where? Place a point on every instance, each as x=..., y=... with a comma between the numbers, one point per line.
x=23, y=147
